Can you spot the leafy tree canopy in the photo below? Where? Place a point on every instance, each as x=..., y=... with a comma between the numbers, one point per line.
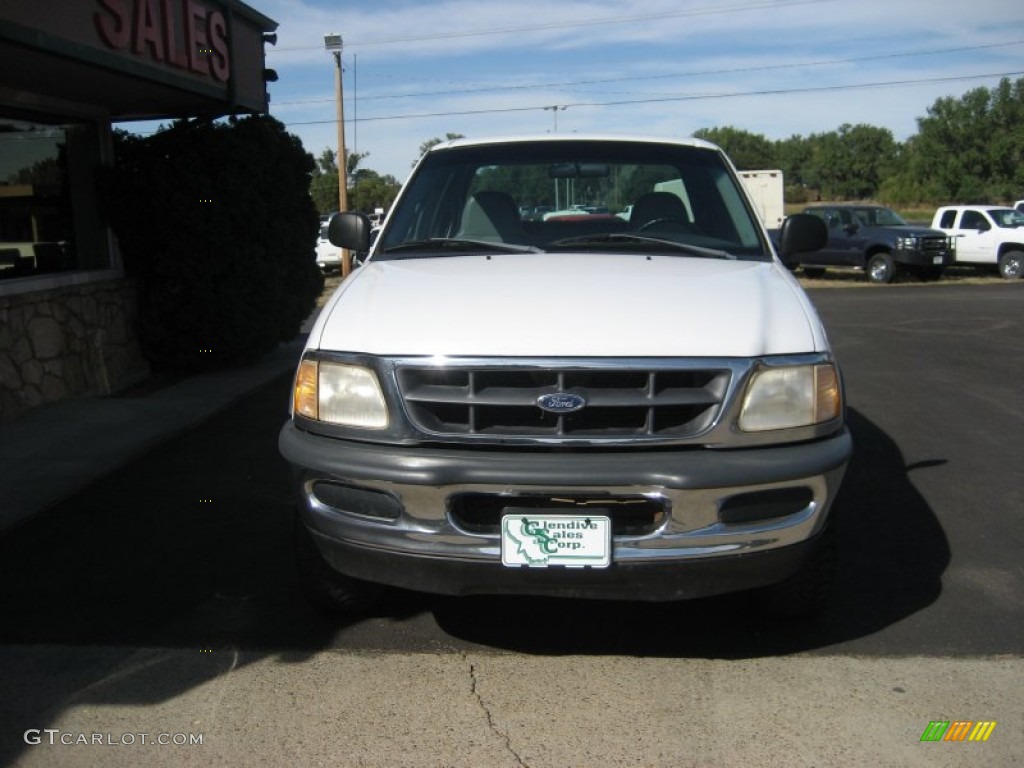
x=967, y=149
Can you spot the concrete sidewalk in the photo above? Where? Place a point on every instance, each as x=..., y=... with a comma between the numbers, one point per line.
x=477, y=708
x=54, y=451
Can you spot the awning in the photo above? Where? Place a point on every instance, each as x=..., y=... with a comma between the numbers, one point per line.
x=132, y=59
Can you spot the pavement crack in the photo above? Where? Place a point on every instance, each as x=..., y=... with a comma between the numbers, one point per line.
x=491, y=724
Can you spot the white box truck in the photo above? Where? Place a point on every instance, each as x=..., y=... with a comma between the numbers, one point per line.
x=767, y=192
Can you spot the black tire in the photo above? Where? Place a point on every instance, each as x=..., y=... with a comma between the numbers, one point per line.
x=813, y=272
x=880, y=268
x=806, y=592
x=330, y=592
x=1011, y=265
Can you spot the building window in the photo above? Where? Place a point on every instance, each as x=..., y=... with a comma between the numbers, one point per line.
x=49, y=220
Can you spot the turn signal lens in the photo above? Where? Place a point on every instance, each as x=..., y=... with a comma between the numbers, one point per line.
x=304, y=398
x=828, y=401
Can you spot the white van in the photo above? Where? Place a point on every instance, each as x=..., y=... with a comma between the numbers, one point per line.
x=328, y=255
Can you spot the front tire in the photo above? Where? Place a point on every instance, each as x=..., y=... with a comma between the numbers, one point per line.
x=1011, y=265
x=880, y=268
x=330, y=592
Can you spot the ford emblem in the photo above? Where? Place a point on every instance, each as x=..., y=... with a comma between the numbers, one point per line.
x=561, y=402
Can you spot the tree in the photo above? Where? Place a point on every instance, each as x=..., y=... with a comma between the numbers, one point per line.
x=327, y=162
x=429, y=143
x=748, y=151
x=970, y=149
x=352, y=161
x=218, y=230
x=43, y=173
x=372, y=190
x=324, y=186
x=851, y=162
x=1006, y=126
x=796, y=160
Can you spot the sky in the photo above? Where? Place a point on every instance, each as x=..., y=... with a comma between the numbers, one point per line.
x=418, y=70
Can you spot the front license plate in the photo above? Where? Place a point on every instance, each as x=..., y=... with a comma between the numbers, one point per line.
x=542, y=540
x=937, y=259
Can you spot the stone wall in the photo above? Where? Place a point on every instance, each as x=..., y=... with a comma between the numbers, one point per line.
x=65, y=342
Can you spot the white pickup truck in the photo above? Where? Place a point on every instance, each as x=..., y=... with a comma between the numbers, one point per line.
x=579, y=406
x=985, y=234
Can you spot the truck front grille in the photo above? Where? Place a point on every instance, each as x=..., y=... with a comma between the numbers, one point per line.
x=619, y=403
x=935, y=245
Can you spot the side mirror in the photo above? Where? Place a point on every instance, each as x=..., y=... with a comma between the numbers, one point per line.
x=349, y=230
x=801, y=233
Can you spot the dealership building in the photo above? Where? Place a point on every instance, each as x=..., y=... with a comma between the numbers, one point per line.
x=69, y=70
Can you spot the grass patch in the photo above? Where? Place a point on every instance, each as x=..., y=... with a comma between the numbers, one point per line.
x=848, y=278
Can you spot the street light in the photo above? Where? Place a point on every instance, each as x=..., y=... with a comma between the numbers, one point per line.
x=555, y=109
x=333, y=44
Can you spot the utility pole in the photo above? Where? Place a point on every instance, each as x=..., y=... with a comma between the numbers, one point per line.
x=333, y=43
x=355, y=103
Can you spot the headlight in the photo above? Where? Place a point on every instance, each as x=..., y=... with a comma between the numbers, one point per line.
x=906, y=243
x=349, y=395
x=797, y=396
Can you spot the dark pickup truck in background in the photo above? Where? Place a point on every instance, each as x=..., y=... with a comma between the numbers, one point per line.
x=877, y=241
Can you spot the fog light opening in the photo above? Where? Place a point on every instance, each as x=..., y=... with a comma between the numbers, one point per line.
x=764, y=505
x=357, y=501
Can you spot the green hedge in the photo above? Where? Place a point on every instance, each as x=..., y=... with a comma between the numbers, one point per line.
x=215, y=222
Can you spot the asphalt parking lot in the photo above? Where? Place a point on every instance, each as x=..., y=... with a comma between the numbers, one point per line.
x=162, y=598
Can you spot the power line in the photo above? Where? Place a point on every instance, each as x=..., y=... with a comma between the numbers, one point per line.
x=696, y=73
x=764, y=5
x=692, y=97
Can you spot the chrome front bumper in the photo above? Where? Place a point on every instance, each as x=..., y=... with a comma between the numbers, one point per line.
x=388, y=516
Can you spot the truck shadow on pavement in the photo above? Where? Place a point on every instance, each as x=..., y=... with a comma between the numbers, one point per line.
x=190, y=547
x=177, y=568
x=892, y=554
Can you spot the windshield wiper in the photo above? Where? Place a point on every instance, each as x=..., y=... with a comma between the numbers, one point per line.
x=619, y=237
x=461, y=244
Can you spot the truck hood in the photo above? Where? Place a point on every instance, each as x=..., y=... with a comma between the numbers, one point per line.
x=569, y=305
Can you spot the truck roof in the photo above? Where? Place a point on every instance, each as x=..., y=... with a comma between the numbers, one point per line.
x=986, y=206
x=573, y=137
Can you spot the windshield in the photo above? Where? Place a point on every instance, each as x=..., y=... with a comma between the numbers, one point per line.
x=585, y=195
x=1006, y=217
x=879, y=217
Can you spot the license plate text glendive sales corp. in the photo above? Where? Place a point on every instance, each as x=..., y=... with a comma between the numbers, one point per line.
x=544, y=540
